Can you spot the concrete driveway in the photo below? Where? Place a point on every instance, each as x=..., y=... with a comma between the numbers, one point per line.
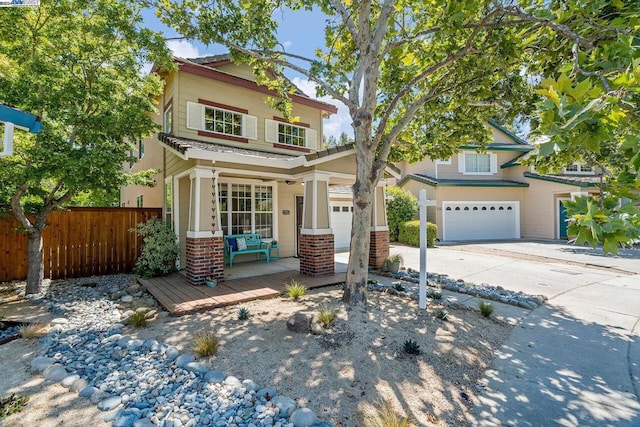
x=574, y=361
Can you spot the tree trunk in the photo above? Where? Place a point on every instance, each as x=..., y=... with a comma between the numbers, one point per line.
x=35, y=255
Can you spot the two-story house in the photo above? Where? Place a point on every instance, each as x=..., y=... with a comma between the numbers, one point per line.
x=230, y=164
x=490, y=195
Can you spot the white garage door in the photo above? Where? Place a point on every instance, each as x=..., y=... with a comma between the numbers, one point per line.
x=341, y=213
x=480, y=220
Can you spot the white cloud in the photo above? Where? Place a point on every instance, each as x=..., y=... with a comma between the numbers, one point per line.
x=183, y=49
x=287, y=44
x=337, y=123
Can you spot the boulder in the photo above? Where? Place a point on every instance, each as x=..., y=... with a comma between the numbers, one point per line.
x=299, y=322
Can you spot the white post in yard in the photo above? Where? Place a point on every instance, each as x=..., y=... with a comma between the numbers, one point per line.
x=423, y=249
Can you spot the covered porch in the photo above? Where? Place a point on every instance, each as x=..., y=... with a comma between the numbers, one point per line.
x=245, y=282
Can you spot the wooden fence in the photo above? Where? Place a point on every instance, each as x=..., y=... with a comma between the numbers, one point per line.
x=78, y=242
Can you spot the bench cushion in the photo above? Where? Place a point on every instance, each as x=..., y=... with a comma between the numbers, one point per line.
x=232, y=242
x=242, y=244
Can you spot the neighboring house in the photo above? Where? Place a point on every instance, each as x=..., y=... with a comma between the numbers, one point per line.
x=230, y=164
x=489, y=195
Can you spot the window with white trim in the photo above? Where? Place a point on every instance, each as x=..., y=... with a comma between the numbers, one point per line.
x=578, y=168
x=221, y=121
x=473, y=163
x=443, y=161
x=288, y=134
x=167, y=125
x=140, y=149
x=246, y=208
x=140, y=201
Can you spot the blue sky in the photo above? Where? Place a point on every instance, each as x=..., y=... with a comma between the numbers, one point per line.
x=300, y=32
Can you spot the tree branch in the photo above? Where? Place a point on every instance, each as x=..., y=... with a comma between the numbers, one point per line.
x=578, y=70
x=346, y=18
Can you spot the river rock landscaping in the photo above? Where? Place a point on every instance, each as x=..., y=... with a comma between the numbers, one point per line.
x=147, y=376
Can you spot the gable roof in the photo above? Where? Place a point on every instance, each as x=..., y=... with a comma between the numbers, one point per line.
x=515, y=138
x=205, y=67
x=433, y=182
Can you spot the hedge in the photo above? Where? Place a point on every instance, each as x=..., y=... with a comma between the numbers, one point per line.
x=401, y=206
x=410, y=233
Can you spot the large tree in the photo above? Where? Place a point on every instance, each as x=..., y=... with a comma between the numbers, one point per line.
x=78, y=65
x=418, y=77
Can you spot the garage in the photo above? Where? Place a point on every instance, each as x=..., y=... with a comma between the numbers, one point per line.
x=341, y=214
x=481, y=220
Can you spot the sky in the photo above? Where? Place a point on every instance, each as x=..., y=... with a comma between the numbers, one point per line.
x=300, y=32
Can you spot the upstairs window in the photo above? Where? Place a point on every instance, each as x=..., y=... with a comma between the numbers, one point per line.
x=578, y=169
x=477, y=163
x=221, y=121
x=140, y=149
x=287, y=134
x=140, y=201
x=167, y=125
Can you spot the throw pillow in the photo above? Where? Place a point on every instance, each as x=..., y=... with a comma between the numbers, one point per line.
x=242, y=244
x=233, y=244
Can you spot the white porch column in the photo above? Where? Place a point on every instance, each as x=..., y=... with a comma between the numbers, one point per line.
x=379, y=239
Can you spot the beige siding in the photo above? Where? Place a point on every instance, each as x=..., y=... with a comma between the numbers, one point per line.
x=500, y=137
x=194, y=87
x=152, y=159
x=425, y=167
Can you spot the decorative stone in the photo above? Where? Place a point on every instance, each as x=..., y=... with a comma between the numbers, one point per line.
x=183, y=359
x=303, y=417
x=233, y=382
x=171, y=353
x=55, y=373
x=197, y=367
x=143, y=422
x=263, y=392
x=135, y=344
x=214, y=377
x=285, y=404
x=40, y=363
x=99, y=396
x=122, y=342
x=299, y=322
x=127, y=299
x=316, y=328
x=109, y=403
x=78, y=385
x=59, y=321
x=250, y=385
x=69, y=380
x=87, y=391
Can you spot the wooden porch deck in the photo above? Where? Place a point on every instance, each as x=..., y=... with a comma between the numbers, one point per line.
x=178, y=297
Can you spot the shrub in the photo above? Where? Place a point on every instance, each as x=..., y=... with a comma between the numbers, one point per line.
x=205, y=344
x=138, y=319
x=486, y=308
x=326, y=316
x=383, y=415
x=12, y=405
x=434, y=294
x=33, y=330
x=295, y=290
x=442, y=314
x=243, y=313
x=410, y=233
x=411, y=347
x=401, y=206
x=159, y=251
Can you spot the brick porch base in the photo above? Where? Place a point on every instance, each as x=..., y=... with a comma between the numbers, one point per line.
x=317, y=254
x=378, y=248
x=205, y=257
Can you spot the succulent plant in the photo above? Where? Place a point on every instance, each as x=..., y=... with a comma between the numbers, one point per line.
x=411, y=347
x=243, y=313
x=442, y=314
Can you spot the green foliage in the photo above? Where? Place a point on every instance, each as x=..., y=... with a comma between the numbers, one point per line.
x=326, y=316
x=433, y=294
x=401, y=206
x=295, y=290
x=205, y=344
x=138, y=319
x=486, y=308
x=410, y=233
x=383, y=415
x=411, y=347
x=398, y=287
x=12, y=405
x=442, y=314
x=243, y=313
x=159, y=251
x=394, y=258
x=593, y=221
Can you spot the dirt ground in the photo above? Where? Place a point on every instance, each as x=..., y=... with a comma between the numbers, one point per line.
x=358, y=362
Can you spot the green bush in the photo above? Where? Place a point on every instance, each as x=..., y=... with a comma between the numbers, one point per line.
x=410, y=233
x=401, y=206
x=159, y=251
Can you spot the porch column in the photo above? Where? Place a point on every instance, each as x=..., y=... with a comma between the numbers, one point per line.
x=316, y=235
x=379, y=242
x=204, y=244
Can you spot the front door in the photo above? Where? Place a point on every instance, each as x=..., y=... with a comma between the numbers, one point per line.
x=562, y=220
x=299, y=211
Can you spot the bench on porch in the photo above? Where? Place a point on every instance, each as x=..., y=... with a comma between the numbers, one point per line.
x=253, y=244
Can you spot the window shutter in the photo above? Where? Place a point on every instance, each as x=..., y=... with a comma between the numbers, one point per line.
x=311, y=137
x=195, y=116
x=270, y=130
x=494, y=163
x=249, y=126
x=461, y=165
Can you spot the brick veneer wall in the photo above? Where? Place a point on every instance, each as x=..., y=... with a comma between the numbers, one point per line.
x=317, y=255
x=205, y=257
x=378, y=248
